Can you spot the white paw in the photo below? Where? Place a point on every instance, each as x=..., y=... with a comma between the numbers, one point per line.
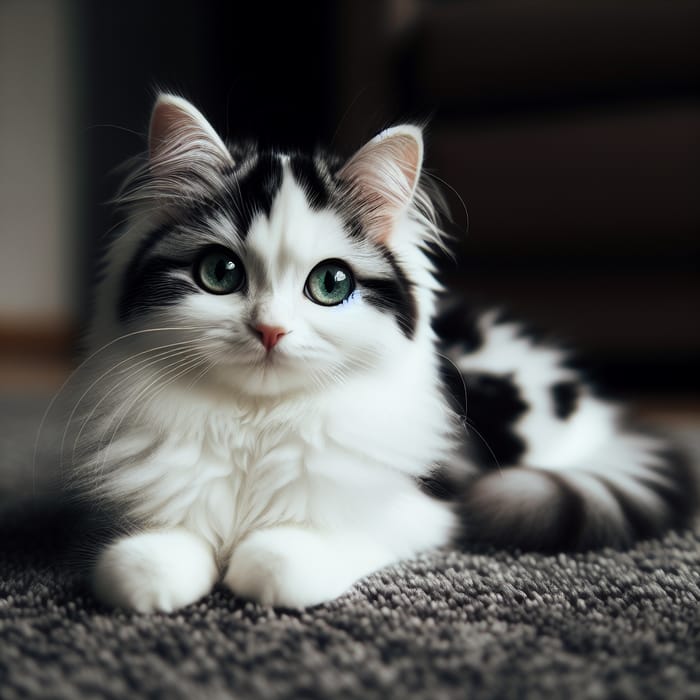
x=155, y=571
x=285, y=568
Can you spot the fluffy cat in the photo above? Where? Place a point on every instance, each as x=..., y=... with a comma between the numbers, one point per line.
x=264, y=403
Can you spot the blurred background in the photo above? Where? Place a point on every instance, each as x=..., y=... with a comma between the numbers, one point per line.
x=569, y=130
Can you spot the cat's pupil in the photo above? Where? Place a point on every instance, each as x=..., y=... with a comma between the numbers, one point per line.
x=222, y=267
x=329, y=282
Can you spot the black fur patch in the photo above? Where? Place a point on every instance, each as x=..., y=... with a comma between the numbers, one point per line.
x=442, y=485
x=306, y=174
x=505, y=521
x=494, y=405
x=453, y=386
x=146, y=284
x=152, y=239
x=458, y=326
x=641, y=523
x=253, y=192
x=565, y=396
x=569, y=518
x=393, y=294
x=150, y=286
x=683, y=497
x=241, y=152
x=529, y=331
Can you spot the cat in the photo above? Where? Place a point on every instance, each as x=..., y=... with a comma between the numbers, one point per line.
x=266, y=403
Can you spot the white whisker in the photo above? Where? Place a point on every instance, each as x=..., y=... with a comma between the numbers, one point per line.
x=175, y=368
x=126, y=360
x=82, y=365
x=144, y=364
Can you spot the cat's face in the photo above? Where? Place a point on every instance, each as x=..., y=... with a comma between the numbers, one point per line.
x=283, y=271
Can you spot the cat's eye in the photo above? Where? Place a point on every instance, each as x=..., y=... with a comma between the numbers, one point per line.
x=330, y=283
x=219, y=271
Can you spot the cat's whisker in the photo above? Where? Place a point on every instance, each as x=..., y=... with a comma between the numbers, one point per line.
x=114, y=389
x=111, y=369
x=117, y=127
x=444, y=183
x=138, y=392
x=111, y=343
x=141, y=394
x=201, y=375
x=153, y=357
x=461, y=379
x=469, y=429
x=187, y=368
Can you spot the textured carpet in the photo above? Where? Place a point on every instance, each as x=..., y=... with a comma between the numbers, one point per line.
x=485, y=624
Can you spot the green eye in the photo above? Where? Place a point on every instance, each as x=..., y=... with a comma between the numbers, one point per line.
x=330, y=283
x=219, y=271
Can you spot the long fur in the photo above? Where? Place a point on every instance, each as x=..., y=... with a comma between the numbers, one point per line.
x=288, y=474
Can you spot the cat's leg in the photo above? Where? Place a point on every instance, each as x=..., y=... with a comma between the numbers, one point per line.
x=159, y=570
x=296, y=566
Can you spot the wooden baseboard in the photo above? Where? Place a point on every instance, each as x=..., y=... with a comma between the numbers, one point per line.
x=37, y=337
x=36, y=354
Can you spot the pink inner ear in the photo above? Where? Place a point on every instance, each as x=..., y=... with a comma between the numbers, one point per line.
x=164, y=125
x=180, y=136
x=408, y=154
x=383, y=175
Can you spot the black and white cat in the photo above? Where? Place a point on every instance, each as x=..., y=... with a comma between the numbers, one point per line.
x=265, y=403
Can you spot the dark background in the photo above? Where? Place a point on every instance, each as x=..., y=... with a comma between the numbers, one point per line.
x=568, y=129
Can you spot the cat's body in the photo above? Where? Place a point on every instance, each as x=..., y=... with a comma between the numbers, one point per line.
x=266, y=405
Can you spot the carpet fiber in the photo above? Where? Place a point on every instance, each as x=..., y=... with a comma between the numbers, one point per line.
x=487, y=624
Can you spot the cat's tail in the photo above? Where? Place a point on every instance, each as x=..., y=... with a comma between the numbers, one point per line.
x=627, y=488
x=559, y=467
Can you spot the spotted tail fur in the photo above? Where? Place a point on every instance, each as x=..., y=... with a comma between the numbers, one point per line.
x=561, y=467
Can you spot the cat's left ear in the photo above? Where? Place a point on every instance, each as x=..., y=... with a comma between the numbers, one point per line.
x=383, y=176
x=182, y=141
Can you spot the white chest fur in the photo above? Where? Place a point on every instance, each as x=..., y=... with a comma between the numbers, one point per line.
x=223, y=469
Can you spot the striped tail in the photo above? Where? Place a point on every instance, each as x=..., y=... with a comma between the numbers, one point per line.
x=559, y=467
x=594, y=504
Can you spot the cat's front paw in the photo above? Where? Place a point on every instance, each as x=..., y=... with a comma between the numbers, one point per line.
x=284, y=568
x=155, y=571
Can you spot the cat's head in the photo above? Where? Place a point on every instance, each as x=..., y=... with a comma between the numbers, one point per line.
x=278, y=271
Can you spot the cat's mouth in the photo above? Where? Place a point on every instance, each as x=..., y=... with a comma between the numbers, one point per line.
x=272, y=358
x=277, y=357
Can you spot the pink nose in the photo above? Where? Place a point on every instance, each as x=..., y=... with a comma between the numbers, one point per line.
x=269, y=335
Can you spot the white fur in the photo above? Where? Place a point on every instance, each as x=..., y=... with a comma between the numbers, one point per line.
x=155, y=571
x=291, y=474
x=294, y=471
x=589, y=442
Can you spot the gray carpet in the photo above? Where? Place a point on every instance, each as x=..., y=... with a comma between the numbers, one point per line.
x=475, y=625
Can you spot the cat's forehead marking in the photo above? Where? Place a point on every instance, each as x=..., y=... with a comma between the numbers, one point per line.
x=313, y=180
x=251, y=188
x=283, y=214
x=247, y=194
x=295, y=233
x=284, y=246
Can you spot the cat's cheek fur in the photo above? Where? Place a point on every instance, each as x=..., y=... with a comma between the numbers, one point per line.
x=155, y=571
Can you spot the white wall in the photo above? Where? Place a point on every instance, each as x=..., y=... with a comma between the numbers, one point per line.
x=37, y=163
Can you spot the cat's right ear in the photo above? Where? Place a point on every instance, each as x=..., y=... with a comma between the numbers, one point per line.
x=181, y=141
x=383, y=176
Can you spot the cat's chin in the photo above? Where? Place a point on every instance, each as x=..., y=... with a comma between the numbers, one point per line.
x=272, y=379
